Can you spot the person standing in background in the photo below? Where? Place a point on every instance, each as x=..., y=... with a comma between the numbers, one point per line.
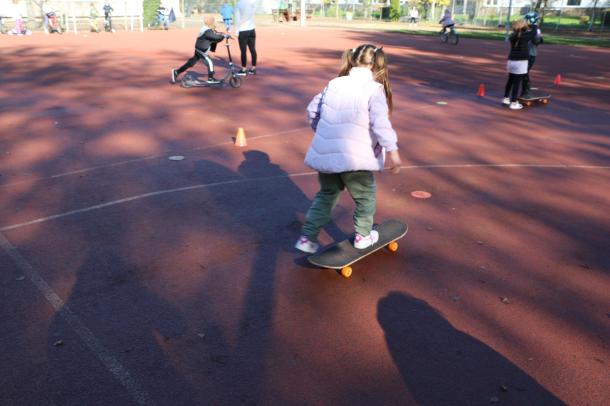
x=227, y=15
x=93, y=14
x=46, y=12
x=413, y=15
x=244, y=27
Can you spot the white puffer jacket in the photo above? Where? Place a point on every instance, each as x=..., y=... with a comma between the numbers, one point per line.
x=353, y=130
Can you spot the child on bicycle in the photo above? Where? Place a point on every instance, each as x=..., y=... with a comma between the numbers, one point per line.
x=517, y=62
x=352, y=134
x=532, y=18
x=108, y=17
x=446, y=21
x=206, y=42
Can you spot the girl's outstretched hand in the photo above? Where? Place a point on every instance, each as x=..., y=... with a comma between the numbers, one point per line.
x=395, y=162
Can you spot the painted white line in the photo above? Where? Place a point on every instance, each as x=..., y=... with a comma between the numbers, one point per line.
x=107, y=359
x=549, y=166
x=293, y=175
x=145, y=195
x=150, y=157
x=145, y=158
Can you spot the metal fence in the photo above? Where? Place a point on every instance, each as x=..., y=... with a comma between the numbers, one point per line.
x=475, y=13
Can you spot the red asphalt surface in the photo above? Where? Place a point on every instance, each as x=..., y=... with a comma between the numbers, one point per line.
x=127, y=278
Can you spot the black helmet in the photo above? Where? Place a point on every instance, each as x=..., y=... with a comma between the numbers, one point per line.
x=532, y=17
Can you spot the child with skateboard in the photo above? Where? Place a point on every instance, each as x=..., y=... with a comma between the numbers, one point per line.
x=532, y=18
x=206, y=42
x=353, y=132
x=517, y=63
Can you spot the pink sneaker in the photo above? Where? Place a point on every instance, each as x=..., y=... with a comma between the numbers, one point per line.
x=305, y=245
x=361, y=242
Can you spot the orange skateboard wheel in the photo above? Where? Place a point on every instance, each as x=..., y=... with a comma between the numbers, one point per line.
x=346, y=272
x=393, y=246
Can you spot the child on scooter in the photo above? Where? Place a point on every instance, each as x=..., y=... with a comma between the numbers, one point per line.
x=206, y=42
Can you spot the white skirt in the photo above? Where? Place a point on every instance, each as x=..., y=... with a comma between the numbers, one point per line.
x=517, y=67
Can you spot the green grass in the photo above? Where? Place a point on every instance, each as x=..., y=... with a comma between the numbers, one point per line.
x=484, y=33
x=550, y=22
x=500, y=36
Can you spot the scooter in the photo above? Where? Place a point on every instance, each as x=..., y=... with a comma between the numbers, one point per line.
x=231, y=77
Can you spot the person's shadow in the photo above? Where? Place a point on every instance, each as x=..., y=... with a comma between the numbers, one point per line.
x=264, y=208
x=444, y=366
x=277, y=193
x=137, y=327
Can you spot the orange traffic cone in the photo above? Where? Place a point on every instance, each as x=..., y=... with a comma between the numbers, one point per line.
x=557, y=80
x=240, y=138
x=481, y=91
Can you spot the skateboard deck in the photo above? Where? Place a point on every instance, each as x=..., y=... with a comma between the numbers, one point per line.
x=538, y=98
x=343, y=254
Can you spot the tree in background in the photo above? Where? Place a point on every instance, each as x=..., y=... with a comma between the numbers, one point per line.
x=425, y=7
x=150, y=10
x=395, y=10
x=38, y=4
x=539, y=8
x=592, y=21
x=197, y=5
x=366, y=5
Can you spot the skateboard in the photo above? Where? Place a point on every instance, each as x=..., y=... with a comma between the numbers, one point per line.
x=343, y=254
x=538, y=98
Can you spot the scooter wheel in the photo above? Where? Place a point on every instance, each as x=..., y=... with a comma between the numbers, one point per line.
x=235, y=81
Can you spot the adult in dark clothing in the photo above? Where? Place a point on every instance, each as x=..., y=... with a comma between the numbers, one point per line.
x=206, y=42
x=517, y=62
x=244, y=26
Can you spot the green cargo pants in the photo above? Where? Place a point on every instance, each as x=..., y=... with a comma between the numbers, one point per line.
x=361, y=187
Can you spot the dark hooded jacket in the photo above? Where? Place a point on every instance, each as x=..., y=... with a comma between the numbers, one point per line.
x=208, y=39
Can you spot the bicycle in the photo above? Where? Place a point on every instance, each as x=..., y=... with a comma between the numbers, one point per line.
x=450, y=36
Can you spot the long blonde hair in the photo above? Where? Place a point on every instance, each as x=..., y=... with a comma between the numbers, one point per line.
x=519, y=27
x=367, y=55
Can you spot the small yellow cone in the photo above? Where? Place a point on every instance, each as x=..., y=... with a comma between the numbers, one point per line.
x=240, y=138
